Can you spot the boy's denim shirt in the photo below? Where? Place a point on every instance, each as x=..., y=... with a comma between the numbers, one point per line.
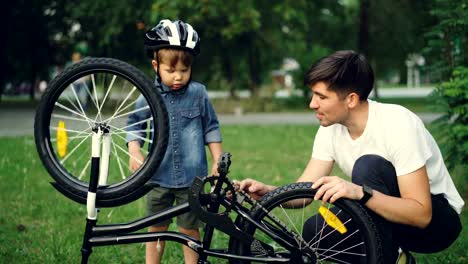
x=193, y=123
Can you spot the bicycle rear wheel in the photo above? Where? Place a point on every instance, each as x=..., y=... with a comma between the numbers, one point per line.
x=100, y=93
x=342, y=232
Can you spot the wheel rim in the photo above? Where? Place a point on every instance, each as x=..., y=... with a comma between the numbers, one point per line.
x=97, y=98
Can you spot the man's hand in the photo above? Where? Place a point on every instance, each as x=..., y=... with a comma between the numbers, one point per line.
x=331, y=188
x=254, y=188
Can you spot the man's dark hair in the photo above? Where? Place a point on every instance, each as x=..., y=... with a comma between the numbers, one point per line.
x=344, y=72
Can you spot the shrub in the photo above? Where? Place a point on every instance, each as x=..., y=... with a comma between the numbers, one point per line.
x=451, y=98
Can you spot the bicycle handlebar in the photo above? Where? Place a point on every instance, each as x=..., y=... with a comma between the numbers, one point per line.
x=224, y=163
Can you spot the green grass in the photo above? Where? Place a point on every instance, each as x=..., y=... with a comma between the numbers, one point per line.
x=256, y=105
x=39, y=225
x=301, y=104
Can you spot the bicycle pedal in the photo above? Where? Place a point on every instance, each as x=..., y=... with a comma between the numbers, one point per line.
x=257, y=246
x=404, y=257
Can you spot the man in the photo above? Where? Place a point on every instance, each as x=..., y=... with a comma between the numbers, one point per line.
x=396, y=168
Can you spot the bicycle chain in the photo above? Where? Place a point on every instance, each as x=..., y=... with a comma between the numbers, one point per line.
x=255, y=204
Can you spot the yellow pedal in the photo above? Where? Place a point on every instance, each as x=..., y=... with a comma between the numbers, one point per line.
x=332, y=220
x=62, y=139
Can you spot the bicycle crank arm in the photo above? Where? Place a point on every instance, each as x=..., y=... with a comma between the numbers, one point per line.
x=218, y=221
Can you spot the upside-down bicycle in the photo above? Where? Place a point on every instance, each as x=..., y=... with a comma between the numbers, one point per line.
x=83, y=147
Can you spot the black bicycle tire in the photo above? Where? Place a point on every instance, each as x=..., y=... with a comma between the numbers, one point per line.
x=122, y=192
x=291, y=191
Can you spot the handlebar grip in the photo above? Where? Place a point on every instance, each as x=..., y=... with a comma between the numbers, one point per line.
x=224, y=163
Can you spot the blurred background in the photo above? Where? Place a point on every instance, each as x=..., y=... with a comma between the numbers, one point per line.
x=249, y=48
x=254, y=54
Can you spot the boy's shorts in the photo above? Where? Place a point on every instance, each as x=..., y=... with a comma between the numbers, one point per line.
x=160, y=198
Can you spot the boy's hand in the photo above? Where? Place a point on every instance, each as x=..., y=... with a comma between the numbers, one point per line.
x=214, y=169
x=136, y=158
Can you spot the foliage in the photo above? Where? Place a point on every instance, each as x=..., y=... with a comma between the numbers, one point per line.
x=446, y=49
x=447, y=39
x=396, y=30
x=242, y=41
x=451, y=98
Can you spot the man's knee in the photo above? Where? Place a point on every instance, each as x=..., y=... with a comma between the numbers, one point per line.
x=376, y=172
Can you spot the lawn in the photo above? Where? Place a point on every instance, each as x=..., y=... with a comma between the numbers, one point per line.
x=39, y=225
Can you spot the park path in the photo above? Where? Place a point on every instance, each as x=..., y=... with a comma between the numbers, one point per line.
x=20, y=122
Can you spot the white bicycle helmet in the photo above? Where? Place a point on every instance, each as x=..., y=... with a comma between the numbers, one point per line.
x=168, y=34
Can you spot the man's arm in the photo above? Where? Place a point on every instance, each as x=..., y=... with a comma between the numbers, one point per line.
x=316, y=169
x=413, y=208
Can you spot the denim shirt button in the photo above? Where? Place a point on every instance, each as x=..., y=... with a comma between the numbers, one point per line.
x=172, y=101
x=173, y=117
x=174, y=134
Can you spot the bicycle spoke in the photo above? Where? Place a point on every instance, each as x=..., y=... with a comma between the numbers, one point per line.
x=72, y=137
x=70, y=130
x=345, y=252
x=137, y=123
x=128, y=113
x=69, y=118
x=114, y=150
x=289, y=219
x=302, y=218
x=73, y=104
x=80, y=176
x=79, y=103
x=131, y=133
x=91, y=97
x=331, y=232
x=98, y=107
x=107, y=93
x=121, y=104
x=73, y=150
x=129, y=155
x=71, y=111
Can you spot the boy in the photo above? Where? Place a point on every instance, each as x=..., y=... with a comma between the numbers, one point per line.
x=396, y=168
x=193, y=124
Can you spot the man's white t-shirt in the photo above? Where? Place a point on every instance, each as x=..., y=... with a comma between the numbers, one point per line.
x=396, y=134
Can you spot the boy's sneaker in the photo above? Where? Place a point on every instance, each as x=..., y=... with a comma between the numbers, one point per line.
x=404, y=257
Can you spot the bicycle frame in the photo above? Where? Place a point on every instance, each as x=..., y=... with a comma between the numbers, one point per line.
x=114, y=234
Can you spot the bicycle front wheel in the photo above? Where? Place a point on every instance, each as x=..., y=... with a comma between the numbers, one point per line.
x=104, y=94
x=308, y=231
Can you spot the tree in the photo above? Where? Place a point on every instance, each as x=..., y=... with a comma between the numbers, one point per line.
x=29, y=51
x=447, y=38
x=446, y=50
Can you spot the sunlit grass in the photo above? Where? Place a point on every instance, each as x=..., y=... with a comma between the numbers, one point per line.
x=39, y=225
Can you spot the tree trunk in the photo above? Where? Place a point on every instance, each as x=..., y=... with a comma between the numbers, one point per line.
x=364, y=37
x=229, y=74
x=254, y=69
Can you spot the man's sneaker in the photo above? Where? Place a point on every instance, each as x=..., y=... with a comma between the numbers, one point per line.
x=404, y=257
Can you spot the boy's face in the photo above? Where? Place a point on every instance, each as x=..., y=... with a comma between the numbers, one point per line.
x=328, y=106
x=174, y=77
